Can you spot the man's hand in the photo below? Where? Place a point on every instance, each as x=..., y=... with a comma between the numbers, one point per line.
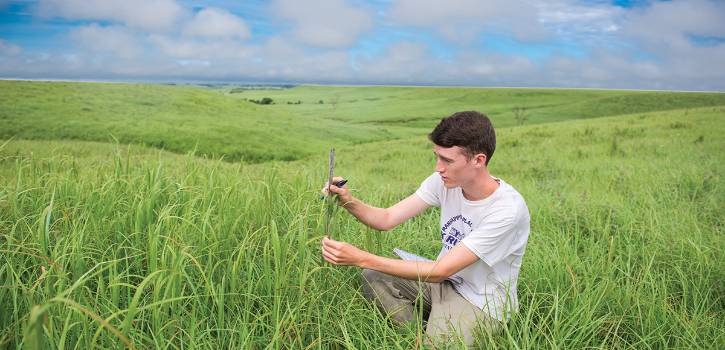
x=456, y=259
x=343, y=193
x=342, y=253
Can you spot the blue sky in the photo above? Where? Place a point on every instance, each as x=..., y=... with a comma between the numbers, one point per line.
x=678, y=45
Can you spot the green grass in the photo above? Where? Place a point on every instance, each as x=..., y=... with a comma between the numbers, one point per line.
x=104, y=244
x=217, y=123
x=425, y=106
x=173, y=118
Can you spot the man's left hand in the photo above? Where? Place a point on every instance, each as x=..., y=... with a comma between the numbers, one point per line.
x=342, y=253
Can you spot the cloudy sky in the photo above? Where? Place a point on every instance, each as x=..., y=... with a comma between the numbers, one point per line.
x=677, y=45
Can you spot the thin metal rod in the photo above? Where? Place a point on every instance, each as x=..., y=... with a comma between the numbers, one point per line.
x=328, y=217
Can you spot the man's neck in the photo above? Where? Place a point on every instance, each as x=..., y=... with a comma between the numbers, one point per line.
x=480, y=188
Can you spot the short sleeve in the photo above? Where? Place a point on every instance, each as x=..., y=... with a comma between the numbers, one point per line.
x=430, y=189
x=492, y=239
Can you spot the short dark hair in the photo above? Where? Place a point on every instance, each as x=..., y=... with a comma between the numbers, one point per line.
x=469, y=130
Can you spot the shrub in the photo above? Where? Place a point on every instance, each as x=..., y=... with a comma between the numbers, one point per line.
x=263, y=101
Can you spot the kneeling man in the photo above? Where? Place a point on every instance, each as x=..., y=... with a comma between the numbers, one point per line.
x=484, y=228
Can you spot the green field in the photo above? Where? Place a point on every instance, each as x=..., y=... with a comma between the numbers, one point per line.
x=182, y=217
x=222, y=123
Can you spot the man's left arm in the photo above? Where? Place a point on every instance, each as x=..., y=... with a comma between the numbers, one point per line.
x=342, y=253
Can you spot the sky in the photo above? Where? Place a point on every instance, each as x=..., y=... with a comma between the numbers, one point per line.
x=663, y=45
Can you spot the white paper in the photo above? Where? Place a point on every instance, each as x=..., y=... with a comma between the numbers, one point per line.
x=413, y=257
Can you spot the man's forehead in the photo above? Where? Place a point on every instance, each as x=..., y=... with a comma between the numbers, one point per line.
x=448, y=151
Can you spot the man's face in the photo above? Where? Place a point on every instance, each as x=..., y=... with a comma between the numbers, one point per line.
x=454, y=167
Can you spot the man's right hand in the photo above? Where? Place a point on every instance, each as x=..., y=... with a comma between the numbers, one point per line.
x=343, y=193
x=376, y=218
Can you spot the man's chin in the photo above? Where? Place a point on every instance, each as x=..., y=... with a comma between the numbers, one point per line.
x=448, y=184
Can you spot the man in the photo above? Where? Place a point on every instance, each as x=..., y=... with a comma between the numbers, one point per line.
x=484, y=229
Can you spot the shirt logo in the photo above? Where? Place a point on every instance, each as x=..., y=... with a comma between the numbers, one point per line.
x=451, y=232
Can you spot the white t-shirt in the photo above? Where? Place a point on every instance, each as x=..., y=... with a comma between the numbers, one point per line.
x=496, y=229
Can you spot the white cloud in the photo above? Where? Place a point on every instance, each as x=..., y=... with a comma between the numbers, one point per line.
x=217, y=23
x=463, y=20
x=571, y=18
x=9, y=49
x=284, y=60
x=668, y=32
x=496, y=68
x=324, y=23
x=150, y=15
x=117, y=41
x=193, y=49
x=648, y=47
x=668, y=19
x=278, y=59
x=401, y=62
x=275, y=59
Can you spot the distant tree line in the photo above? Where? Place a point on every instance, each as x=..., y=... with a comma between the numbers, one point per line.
x=270, y=101
x=262, y=101
x=240, y=89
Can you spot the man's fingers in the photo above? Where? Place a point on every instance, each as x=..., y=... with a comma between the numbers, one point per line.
x=331, y=243
x=331, y=250
x=334, y=189
x=329, y=257
x=334, y=251
x=338, y=190
x=332, y=186
x=328, y=260
x=326, y=254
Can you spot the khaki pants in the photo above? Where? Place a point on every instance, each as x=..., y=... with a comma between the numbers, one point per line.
x=447, y=311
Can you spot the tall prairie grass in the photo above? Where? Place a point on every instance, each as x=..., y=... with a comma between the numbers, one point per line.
x=216, y=124
x=105, y=246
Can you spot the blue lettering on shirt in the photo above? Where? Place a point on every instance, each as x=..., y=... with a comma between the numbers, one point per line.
x=450, y=235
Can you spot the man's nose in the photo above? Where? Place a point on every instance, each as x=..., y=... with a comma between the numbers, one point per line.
x=440, y=167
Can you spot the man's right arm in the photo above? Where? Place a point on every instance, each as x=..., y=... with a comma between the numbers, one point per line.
x=383, y=219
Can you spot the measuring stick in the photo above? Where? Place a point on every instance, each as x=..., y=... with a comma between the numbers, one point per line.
x=328, y=217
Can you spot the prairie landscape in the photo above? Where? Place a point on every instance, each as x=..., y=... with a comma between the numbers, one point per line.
x=184, y=217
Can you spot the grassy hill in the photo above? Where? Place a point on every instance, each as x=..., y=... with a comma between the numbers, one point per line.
x=223, y=123
x=178, y=119
x=424, y=106
x=107, y=245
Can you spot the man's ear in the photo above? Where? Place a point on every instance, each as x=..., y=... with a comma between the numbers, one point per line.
x=479, y=160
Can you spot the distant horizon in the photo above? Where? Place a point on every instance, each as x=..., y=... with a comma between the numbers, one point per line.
x=652, y=45
x=294, y=84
